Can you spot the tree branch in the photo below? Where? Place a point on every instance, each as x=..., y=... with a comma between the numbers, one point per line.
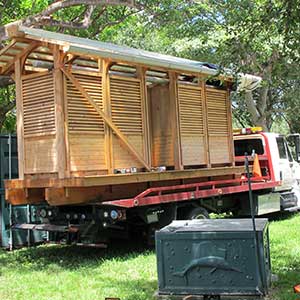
x=54, y=7
x=251, y=106
x=46, y=16
x=120, y=20
x=5, y=81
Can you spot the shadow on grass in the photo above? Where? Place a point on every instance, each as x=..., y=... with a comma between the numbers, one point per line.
x=283, y=288
x=135, y=289
x=282, y=216
x=71, y=257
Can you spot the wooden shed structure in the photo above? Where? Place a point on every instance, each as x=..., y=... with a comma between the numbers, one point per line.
x=88, y=112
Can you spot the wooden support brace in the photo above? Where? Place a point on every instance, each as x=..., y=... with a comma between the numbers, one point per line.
x=77, y=195
x=24, y=196
x=176, y=126
x=20, y=119
x=12, y=43
x=106, y=118
x=25, y=52
x=59, y=113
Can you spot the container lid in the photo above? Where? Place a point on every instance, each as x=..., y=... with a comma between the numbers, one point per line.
x=208, y=225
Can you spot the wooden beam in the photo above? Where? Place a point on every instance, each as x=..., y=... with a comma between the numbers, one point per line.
x=176, y=125
x=24, y=196
x=205, y=122
x=61, y=196
x=115, y=179
x=230, y=129
x=12, y=43
x=106, y=118
x=25, y=52
x=107, y=110
x=66, y=121
x=141, y=74
x=59, y=113
x=20, y=121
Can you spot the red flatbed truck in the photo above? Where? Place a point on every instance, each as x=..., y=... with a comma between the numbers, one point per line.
x=155, y=207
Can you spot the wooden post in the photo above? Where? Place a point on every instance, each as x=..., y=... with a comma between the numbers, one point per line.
x=59, y=112
x=20, y=120
x=107, y=109
x=141, y=73
x=205, y=121
x=68, y=158
x=176, y=126
x=230, y=130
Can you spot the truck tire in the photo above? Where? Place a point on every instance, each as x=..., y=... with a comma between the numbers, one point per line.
x=197, y=213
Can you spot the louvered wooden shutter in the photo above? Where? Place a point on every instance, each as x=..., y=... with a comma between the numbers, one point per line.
x=219, y=129
x=191, y=125
x=82, y=117
x=85, y=126
x=38, y=105
x=126, y=111
x=39, y=124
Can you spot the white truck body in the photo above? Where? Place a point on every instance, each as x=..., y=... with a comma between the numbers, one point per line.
x=275, y=148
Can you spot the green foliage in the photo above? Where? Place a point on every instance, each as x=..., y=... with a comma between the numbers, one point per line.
x=7, y=111
x=13, y=10
x=259, y=37
x=9, y=124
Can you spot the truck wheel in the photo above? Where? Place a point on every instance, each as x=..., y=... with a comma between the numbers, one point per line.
x=197, y=213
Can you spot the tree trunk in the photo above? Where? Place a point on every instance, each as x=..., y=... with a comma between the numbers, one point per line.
x=258, y=115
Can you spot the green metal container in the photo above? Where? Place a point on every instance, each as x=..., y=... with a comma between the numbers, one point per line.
x=213, y=257
x=10, y=215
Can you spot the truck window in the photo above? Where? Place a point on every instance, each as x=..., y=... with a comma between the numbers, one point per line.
x=281, y=148
x=247, y=146
x=288, y=152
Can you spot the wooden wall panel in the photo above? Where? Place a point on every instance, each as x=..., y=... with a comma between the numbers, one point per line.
x=126, y=113
x=122, y=158
x=38, y=105
x=191, y=125
x=219, y=152
x=40, y=155
x=219, y=129
x=193, y=150
x=87, y=152
x=161, y=126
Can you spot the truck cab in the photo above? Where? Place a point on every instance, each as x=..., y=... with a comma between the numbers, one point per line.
x=275, y=159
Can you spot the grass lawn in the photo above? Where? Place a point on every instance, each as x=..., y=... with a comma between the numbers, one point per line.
x=128, y=272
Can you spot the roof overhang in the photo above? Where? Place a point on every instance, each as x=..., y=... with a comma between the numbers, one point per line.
x=23, y=37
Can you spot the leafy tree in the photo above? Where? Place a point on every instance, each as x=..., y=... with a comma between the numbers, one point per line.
x=259, y=37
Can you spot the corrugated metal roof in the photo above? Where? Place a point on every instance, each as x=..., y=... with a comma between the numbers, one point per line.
x=102, y=49
x=85, y=46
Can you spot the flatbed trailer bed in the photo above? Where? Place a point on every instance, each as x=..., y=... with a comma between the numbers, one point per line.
x=82, y=190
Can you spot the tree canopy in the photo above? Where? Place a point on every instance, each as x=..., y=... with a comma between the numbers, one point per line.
x=259, y=37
